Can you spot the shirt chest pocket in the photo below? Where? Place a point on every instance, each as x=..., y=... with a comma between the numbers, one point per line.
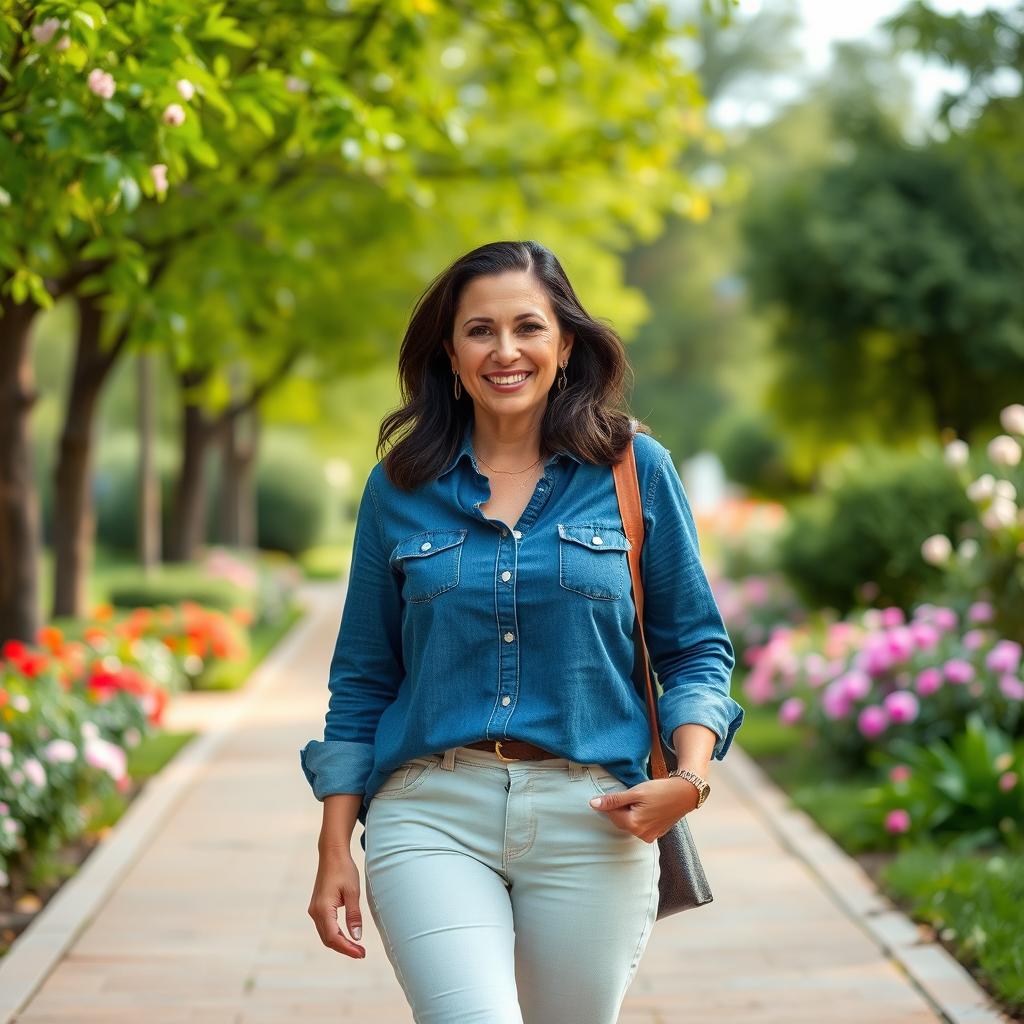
x=592, y=560
x=430, y=562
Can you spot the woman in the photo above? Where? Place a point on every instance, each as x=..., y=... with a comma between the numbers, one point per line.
x=481, y=687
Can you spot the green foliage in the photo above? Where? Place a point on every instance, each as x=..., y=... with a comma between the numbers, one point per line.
x=964, y=793
x=172, y=584
x=292, y=497
x=974, y=903
x=866, y=526
x=892, y=279
x=753, y=453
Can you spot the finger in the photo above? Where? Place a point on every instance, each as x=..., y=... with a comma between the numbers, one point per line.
x=328, y=927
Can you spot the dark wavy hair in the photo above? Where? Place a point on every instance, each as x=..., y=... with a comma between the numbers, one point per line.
x=587, y=417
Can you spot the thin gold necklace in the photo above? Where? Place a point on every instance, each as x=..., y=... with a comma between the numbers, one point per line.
x=509, y=472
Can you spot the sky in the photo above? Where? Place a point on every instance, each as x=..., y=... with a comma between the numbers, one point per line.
x=827, y=21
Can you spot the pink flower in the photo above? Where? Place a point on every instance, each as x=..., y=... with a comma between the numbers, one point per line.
x=174, y=114
x=899, y=773
x=981, y=611
x=944, y=618
x=1004, y=657
x=901, y=642
x=928, y=681
x=790, y=710
x=856, y=684
x=834, y=701
x=60, y=752
x=897, y=820
x=872, y=721
x=159, y=175
x=45, y=30
x=958, y=671
x=1011, y=687
x=975, y=639
x=1007, y=781
x=101, y=753
x=901, y=706
x=62, y=44
x=34, y=772
x=101, y=83
x=893, y=616
x=186, y=90
x=925, y=635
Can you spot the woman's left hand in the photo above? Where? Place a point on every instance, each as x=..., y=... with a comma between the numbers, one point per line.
x=649, y=809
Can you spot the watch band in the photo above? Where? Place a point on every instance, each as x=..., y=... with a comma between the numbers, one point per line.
x=703, y=786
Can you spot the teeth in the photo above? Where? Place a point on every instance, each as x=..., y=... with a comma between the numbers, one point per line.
x=509, y=379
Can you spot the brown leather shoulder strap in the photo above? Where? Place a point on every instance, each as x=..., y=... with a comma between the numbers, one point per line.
x=627, y=489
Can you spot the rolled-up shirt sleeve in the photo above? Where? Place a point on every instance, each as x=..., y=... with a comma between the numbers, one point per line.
x=366, y=668
x=687, y=640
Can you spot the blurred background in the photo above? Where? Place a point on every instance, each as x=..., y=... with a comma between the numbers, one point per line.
x=805, y=219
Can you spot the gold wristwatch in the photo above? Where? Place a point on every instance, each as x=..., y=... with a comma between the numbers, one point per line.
x=703, y=787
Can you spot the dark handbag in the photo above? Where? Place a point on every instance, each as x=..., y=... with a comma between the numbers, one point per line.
x=683, y=884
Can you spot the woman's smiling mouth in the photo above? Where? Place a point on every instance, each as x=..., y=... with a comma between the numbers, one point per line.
x=508, y=381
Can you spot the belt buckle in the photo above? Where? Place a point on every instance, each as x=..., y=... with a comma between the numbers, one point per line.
x=501, y=756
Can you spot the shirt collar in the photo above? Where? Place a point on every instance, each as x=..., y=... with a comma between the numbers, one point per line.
x=466, y=450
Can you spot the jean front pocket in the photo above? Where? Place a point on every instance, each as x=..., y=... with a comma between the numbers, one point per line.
x=430, y=562
x=592, y=560
x=407, y=777
x=603, y=781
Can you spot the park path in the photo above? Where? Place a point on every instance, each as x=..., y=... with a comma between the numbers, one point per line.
x=208, y=923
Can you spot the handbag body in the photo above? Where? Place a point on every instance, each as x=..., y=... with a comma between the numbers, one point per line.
x=682, y=884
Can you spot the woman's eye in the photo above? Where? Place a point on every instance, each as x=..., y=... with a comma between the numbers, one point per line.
x=538, y=327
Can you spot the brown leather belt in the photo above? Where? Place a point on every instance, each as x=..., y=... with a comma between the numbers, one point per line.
x=513, y=750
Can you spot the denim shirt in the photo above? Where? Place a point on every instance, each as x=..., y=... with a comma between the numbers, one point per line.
x=456, y=628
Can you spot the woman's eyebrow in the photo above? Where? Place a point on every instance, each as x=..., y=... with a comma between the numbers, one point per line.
x=490, y=319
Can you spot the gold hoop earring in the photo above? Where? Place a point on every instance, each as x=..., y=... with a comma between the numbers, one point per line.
x=458, y=385
x=563, y=379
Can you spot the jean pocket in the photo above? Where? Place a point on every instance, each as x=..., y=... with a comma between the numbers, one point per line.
x=407, y=777
x=430, y=562
x=592, y=560
x=603, y=781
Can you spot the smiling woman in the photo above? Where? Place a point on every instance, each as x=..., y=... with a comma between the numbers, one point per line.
x=481, y=681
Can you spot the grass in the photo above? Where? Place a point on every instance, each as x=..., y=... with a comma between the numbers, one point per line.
x=973, y=902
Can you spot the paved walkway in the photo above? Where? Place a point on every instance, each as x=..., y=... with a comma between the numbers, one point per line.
x=209, y=923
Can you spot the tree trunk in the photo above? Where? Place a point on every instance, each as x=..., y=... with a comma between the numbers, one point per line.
x=19, y=500
x=149, y=527
x=237, y=520
x=188, y=527
x=74, y=518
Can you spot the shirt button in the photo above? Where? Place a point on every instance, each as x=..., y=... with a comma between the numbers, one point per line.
x=506, y=701
x=596, y=540
x=506, y=575
x=425, y=546
x=517, y=534
x=504, y=532
x=509, y=637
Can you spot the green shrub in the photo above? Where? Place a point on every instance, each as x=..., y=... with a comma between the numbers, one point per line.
x=865, y=528
x=291, y=494
x=752, y=453
x=172, y=584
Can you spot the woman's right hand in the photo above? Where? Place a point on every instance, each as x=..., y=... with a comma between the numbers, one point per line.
x=337, y=885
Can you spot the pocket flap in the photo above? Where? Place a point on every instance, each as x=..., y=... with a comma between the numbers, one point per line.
x=427, y=543
x=597, y=538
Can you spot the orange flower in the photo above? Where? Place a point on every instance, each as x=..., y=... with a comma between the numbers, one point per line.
x=103, y=612
x=51, y=638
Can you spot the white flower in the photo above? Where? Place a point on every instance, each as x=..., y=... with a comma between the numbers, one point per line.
x=174, y=114
x=90, y=730
x=968, y=549
x=101, y=83
x=103, y=754
x=1005, y=489
x=982, y=488
x=956, y=453
x=20, y=702
x=1003, y=450
x=1012, y=419
x=186, y=90
x=936, y=549
x=1001, y=513
x=6, y=758
x=159, y=175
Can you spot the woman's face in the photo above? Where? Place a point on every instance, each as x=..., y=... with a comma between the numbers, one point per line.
x=504, y=328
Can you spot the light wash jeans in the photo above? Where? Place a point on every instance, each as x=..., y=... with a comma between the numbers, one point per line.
x=501, y=895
